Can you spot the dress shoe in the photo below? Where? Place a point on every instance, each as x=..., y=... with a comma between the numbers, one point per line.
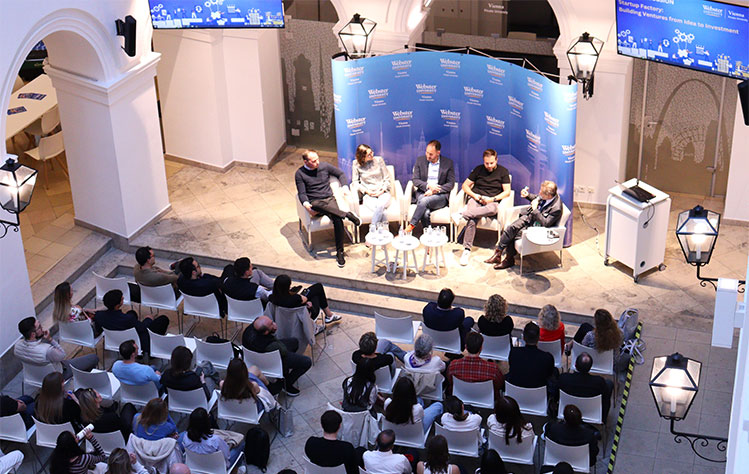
x=506, y=263
x=353, y=218
x=496, y=258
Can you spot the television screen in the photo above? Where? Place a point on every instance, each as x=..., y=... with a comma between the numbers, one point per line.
x=177, y=14
x=703, y=35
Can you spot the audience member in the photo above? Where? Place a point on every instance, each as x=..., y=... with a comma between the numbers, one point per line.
x=37, y=347
x=240, y=384
x=582, y=384
x=530, y=367
x=374, y=354
x=54, y=405
x=552, y=327
x=130, y=372
x=114, y=319
x=472, y=368
x=561, y=467
x=192, y=281
x=442, y=316
x=328, y=450
x=201, y=439
x=147, y=273
x=382, y=460
x=404, y=408
x=154, y=422
x=312, y=296
x=508, y=422
x=456, y=418
x=179, y=468
x=179, y=376
x=69, y=458
x=24, y=405
x=370, y=174
x=359, y=391
x=104, y=419
x=241, y=284
x=422, y=359
x=491, y=463
x=605, y=336
x=12, y=461
x=64, y=310
x=572, y=432
x=495, y=321
x=122, y=462
x=260, y=337
x=437, y=458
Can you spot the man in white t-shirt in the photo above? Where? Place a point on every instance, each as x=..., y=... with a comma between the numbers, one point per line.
x=383, y=461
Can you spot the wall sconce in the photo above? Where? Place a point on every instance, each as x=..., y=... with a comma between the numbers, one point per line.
x=356, y=37
x=16, y=186
x=674, y=382
x=583, y=56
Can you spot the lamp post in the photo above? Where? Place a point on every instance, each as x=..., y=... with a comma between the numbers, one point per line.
x=674, y=383
x=583, y=56
x=356, y=36
x=697, y=232
x=16, y=186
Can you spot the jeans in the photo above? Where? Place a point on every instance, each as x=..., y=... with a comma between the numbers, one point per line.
x=473, y=213
x=431, y=413
x=316, y=295
x=294, y=365
x=377, y=205
x=386, y=347
x=234, y=454
x=424, y=207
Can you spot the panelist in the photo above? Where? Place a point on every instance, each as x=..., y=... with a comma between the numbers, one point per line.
x=485, y=186
x=371, y=175
x=545, y=210
x=433, y=179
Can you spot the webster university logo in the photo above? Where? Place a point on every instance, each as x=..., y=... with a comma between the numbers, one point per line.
x=426, y=88
x=378, y=93
x=473, y=92
x=569, y=153
x=448, y=114
x=402, y=118
x=496, y=126
x=536, y=88
x=496, y=74
x=356, y=122
x=401, y=64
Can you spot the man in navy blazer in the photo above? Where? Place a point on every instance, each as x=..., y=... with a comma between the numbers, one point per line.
x=433, y=178
x=114, y=319
x=193, y=282
x=530, y=367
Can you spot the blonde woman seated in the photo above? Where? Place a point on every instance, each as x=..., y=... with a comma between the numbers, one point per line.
x=495, y=320
x=508, y=422
x=552, y=327
x=64, y=310
x=241, y=384
x=370, y=173
x=122, y=462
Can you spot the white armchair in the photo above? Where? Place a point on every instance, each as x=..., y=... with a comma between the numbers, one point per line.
x=393, y=212
x=308, y=224
x=493, y=223
x=525, y=247
x=437, y=217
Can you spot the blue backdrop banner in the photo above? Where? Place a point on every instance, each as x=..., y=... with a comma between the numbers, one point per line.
x=397, y=103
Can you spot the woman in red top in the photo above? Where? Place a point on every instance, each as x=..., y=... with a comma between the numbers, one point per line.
x=552, y=327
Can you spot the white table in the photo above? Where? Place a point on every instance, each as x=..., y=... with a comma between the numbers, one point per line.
x=379, y=239
x=405, y=244
x=540, y=236
x=434, y=244
x=16, y=123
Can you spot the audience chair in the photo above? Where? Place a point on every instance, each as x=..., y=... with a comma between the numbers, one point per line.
x=103, y=382
x=445, y=341
x=409, y=435
x=358, y=428
x=46, y=434
x=269, y=363
x=532, y=401
x=309, y=225
x=113, y=339
x=362, y=470
x=138, y=395
x=80, y=333
x=13, y=429
x=104, y=284
x=490, y=223
x=436, y=394
x=437, y=217
x=525, y=247
x=310, y=468
x=517, y=453
x=203, y=307
x=554, y=348
x=396, y=329
x=295, y=323
x=385, y=380
x=161, y=297
x=591, y=408
x=243, y=312
x=162, y=346
x=393, y=213
x=603, y=362
x=496, y=347
x=238, y=411
x=212, y=463
x=476, y=394
x=460, y=443
x=217, y=353
x=49, y=147
x=577, y=456
x=185, y=401
x=33, y=375
x=108, y=441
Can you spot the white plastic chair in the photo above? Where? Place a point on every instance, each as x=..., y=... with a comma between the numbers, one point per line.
x=213, y=463
x=393, y=213
x=113, y=339
x=577, y=456
x=269, y=363
x=385, y=380
x=103, y=382
x=45, y=124
x=410, y=435
x=105, y=284
x=219, y=354
x=396, y=329
x=554, y=348
x=33, y=375
x=203, y=307
x=244, y=312
x=590, y=407
x=185, y=401
x=496, y=347
x=532, y=401
x=161, y=297
x=80, y=333
x=162, y=346
x=445, y=341
x=524, y=247
x=603, y=362
x=362, y=470
x=355, y=427
x=310, y=468
x=138, y=395
x=491, y=223
x=438, y=216
x=12, y=428
x=309, y=224
x=477, y=394
x=436, y=394
x=517, y=453
x=109, y=441
x=460, y=443
x=46, y=434
x=49, y=147
x=240, y=411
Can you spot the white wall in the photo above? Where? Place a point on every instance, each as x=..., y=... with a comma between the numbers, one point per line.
x=737, y=199
x=16, y=302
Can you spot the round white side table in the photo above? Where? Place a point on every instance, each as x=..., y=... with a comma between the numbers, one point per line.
x=379, y=239
x=434, y=244
x=404, y=244
x=540, y=236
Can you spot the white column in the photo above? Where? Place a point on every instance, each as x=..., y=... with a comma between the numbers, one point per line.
x=736, y=207
x=221, y=95
x=113, y=148
x=16, y=301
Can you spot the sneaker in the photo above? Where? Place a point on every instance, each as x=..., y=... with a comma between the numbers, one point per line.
x=464, y=257
x=292, y=391
x=241, y=470
x=333, y=318
x=319, y=328
x=341, y=260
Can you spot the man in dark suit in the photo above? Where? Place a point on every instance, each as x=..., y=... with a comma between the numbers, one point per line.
x=241, y=286
x=572, y=432
x=433, y=178
x=442, y=316
x=530, y=367
x=582, y=384
x=545, y=210
x=192, y=281
x=114, y=319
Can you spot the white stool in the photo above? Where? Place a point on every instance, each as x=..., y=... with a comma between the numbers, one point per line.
x=435, y=243
x=405, y=244
x=379, y=239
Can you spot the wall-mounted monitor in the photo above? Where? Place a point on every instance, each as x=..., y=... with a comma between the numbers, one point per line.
x=182, y=14
x=703, y=35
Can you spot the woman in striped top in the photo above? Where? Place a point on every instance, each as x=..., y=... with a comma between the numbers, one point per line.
x=69, y=458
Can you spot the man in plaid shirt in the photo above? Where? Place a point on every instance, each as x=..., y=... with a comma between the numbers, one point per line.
x=473, y=368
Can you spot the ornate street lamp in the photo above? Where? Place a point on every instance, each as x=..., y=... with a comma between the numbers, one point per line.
x=16, y=186
x=674, y=383
x=356, y=37
x=583, y=56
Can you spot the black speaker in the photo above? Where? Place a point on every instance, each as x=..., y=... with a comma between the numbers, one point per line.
x=744, y=99
x=126, y=29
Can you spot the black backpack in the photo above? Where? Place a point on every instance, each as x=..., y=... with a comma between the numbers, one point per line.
x=257, y=448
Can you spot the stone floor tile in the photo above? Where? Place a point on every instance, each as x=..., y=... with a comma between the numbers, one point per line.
x=637, y=441
x=671, y=466
x=633, y=464
x=667, y=449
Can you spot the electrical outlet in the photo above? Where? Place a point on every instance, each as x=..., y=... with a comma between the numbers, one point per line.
x=579, y=189
x=591, y=189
